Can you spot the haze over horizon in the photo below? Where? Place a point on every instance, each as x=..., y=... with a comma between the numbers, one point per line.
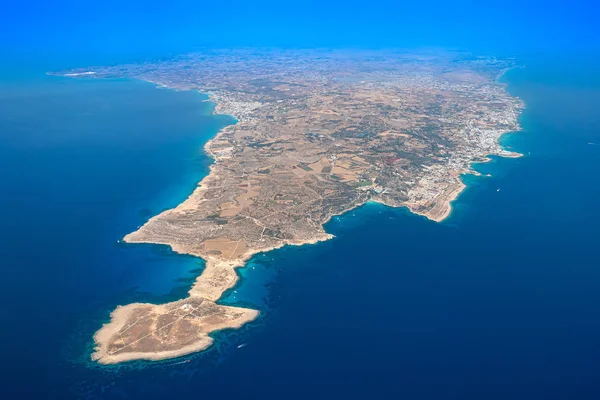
x=118, y=31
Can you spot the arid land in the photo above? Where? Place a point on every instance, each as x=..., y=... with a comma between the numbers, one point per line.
x=318, y=133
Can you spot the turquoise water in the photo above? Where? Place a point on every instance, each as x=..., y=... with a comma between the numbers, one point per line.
x=499, y=301
x=82, y=163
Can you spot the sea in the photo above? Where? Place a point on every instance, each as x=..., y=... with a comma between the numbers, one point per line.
x=499, y=301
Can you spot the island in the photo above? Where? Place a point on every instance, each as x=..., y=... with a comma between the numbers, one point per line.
x=318, y=133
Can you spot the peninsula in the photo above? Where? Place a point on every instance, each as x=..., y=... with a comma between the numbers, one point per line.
x=318, y=133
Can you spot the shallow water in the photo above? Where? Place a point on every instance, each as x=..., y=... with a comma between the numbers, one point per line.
x=499, y=301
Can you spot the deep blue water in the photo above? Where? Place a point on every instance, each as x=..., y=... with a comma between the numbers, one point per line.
x=499, y=301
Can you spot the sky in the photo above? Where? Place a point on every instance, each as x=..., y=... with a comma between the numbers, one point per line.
x=64, y=29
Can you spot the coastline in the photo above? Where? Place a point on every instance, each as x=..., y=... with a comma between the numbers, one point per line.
x=119, y=318
x=220, y=275
x=204, y=287
x=391, y=291
x=442, y=208
x=443, y=205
